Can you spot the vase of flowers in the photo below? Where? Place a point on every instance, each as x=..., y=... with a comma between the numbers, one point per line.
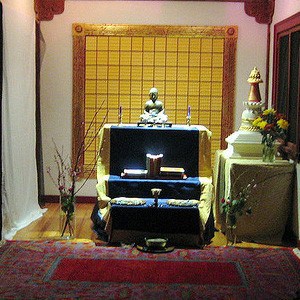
x=269, y=151
x=67, y=222
x=65, y=182
x=233, y=207
x=272, y=126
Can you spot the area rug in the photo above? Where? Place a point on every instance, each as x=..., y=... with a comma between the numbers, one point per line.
x=67, y=270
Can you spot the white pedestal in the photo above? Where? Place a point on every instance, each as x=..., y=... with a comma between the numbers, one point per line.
x=244, y=144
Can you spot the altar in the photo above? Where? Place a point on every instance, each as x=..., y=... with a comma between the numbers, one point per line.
x=271, y=197
x=125, y=147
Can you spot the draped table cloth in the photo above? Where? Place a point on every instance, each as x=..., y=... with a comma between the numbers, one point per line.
x=271, y=199
x=132, y=223
x=126, y=146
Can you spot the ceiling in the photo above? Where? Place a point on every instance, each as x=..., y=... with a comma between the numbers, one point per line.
x=261, y=10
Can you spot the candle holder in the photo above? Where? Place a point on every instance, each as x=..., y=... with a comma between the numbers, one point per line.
x=188, y=117
x=188, y=120
x=120, y=116
x=156, y=193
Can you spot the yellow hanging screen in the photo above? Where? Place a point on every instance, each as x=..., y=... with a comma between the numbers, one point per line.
x=116, y=65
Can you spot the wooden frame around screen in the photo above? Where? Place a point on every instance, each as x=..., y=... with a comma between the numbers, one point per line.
x=83, y=32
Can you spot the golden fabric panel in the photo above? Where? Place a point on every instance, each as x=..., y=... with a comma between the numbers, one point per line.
x=172, y=44
x=206, y=59
x=125, y=87
x=193, y=89
x=205, y=88
x=102, y=86
x=160, y=44
x=160, y=59
x=160, y=74
x=102, y=73
x=91, y=72
x=91, y=57
x=114, y=43
x=125, y=72
x=102, y=59
x=91, y=43
x=102, y=43
x=113, y=73
x=148, y=73
x=137, y=59
x=126, y=44
x=171, y=59
x=125, y=58
x=148, y=44
x=206, y=45
x=183, y=45
x=137, y=44
x=171, y=73
x=136, y=73
x=114, y=58
x=148, y=59
x=90, y=86
x=136, y=87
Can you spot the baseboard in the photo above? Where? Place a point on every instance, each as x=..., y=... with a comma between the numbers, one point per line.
x=79, y=199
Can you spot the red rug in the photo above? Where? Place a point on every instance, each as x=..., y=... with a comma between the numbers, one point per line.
x=141, y=271
x=65, y=270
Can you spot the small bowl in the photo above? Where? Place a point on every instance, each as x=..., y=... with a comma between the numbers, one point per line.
x=156, y=243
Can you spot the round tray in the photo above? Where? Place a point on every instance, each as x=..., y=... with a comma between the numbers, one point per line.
x=144, y=248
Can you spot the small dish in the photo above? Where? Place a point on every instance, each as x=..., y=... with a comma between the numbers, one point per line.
x=156, y=243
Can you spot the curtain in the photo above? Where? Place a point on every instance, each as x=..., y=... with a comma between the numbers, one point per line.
x=19, y=182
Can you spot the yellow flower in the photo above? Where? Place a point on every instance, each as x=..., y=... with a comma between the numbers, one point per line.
x=269, y=111
x=262, y=124
x=257, y=121
x=284, y=124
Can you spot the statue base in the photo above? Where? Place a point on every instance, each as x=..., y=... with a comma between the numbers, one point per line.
x=154, y=124
x=244, y=144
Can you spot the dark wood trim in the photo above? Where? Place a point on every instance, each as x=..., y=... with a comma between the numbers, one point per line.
x=1, y=86
x=279, y=29
x=46, y=9
x=38, y=146
x=262, y=10
x=267, y=65
x=79, y=199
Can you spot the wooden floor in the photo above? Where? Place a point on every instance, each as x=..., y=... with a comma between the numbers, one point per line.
x=47, y=227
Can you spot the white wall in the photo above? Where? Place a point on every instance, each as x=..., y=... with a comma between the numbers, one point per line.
x=56, y=76
x=24, y=6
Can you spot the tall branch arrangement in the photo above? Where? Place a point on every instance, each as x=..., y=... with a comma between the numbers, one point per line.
x=67, y=171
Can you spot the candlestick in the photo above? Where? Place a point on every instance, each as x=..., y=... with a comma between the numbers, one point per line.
x=188, y=117
x=120, y=115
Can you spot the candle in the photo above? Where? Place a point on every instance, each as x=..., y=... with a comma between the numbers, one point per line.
x=189, y=111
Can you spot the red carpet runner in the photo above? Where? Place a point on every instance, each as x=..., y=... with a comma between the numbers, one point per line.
x=137, y=271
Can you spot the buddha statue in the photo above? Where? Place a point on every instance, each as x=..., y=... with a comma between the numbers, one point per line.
x=154, y=111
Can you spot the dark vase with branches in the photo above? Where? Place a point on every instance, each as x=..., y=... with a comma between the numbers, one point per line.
x=68, y=173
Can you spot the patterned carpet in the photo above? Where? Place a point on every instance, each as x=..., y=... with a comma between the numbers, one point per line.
x=52, y=270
